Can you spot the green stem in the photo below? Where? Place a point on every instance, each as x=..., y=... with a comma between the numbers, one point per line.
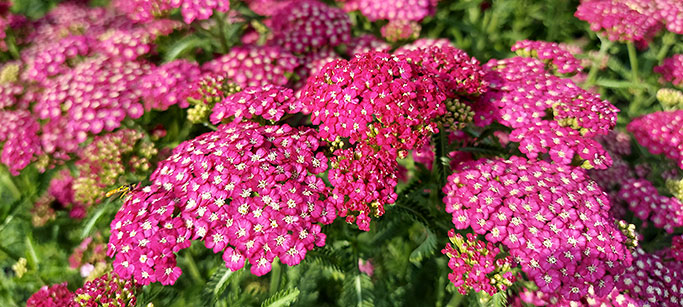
x=275, y=277
x=9, y=183
x=634, y=106
x=668, y=40
x=192, y=266
x=604, y=45
x=210, y=126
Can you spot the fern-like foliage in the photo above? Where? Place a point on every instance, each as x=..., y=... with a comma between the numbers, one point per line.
x=282, y=298
x=358, y=291
x=425, y=249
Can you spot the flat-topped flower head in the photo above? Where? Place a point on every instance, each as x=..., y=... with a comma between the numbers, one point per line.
x=401, y=30
x=550, y=53
x=548, y=114
x=107, y=290
x=95, y=96
x=366, y=43
x=643, y=199
x=169, y=84
x=671, y=70
x=55, y=295
x=191, y=10
x=477, y=265
x=50, y=59
x=552, y=219
x=375, y=98
x=413, y=10
x=619, y=21
x=653, y=280
x=268, y=102
x=19, y=139
x=254, y=65
x=247, y=191
x=661, y=133
x=306, y=26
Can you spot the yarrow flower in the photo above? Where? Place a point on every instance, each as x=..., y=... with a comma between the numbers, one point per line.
x=550, y=53
x=19, y=139
x=132, y=42
x=50, y=60
x=306, y=26
x=89, y=252
x=424, y=43
x=475, y=266
x=146, y=10
x=548, y=114
x=619, y=21
x=267, y=102
x=55, y=295
x=661, y=133
x=671, y=70
x=377, y=98
x=93, y=97
x=413, y=10
x=247, y=191
x=652, y=281
x=205, y=93
x=647, y=204
x=169, y=84
x=254, y=65
x=400, y=30
x=102, y=163
x=366, y=43
x=552, y=218
x=106, y=290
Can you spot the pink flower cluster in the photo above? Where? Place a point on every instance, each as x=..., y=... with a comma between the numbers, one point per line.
x=169, y=84
x=51, y=59
x=19, y=133
x=400, y=30
x=548, y=114
x=425, y=43
x=131, y=42
x=475, y=266
x=248, y=191
x=95, y=96
x=146, y=10
x=661, y=133
x=552, y=218
x=461, y=74
x=375, y=98
x=366, y=43
x=653, y=281
x=677, y=248
x=619, y=21
x=647, y=204
x=306, y=26
x=384, y=105
x=254, y=65
x=671, y=70
x=61, y=189
x=551, y=53
x=106, y=290
x=269, y=102
x=87, y=254
x=55, y=295
x=414, y=10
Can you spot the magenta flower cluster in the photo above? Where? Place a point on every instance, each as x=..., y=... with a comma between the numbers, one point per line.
x=306, y=26
x=248, y=191
x=548, y=114
x=268, y=102
x=550, y=53
x=551, y=218
x=146, y=10
x=661, y=133
x=19, y=132
x=671, y=70
x=382, y=104
x=653, y=281
x=254, y=66
x=477, y=265
x=414, y=10
x=106, y=290
x=400, y=30
x=169, y=84
x=93, y=97
x=54, y=295
x=619, y=21
x=643, y=199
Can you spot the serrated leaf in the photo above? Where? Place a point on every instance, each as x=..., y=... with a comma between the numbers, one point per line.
x=216, y=285
x=425, y=249
x=282, y=298
x=499, y=299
